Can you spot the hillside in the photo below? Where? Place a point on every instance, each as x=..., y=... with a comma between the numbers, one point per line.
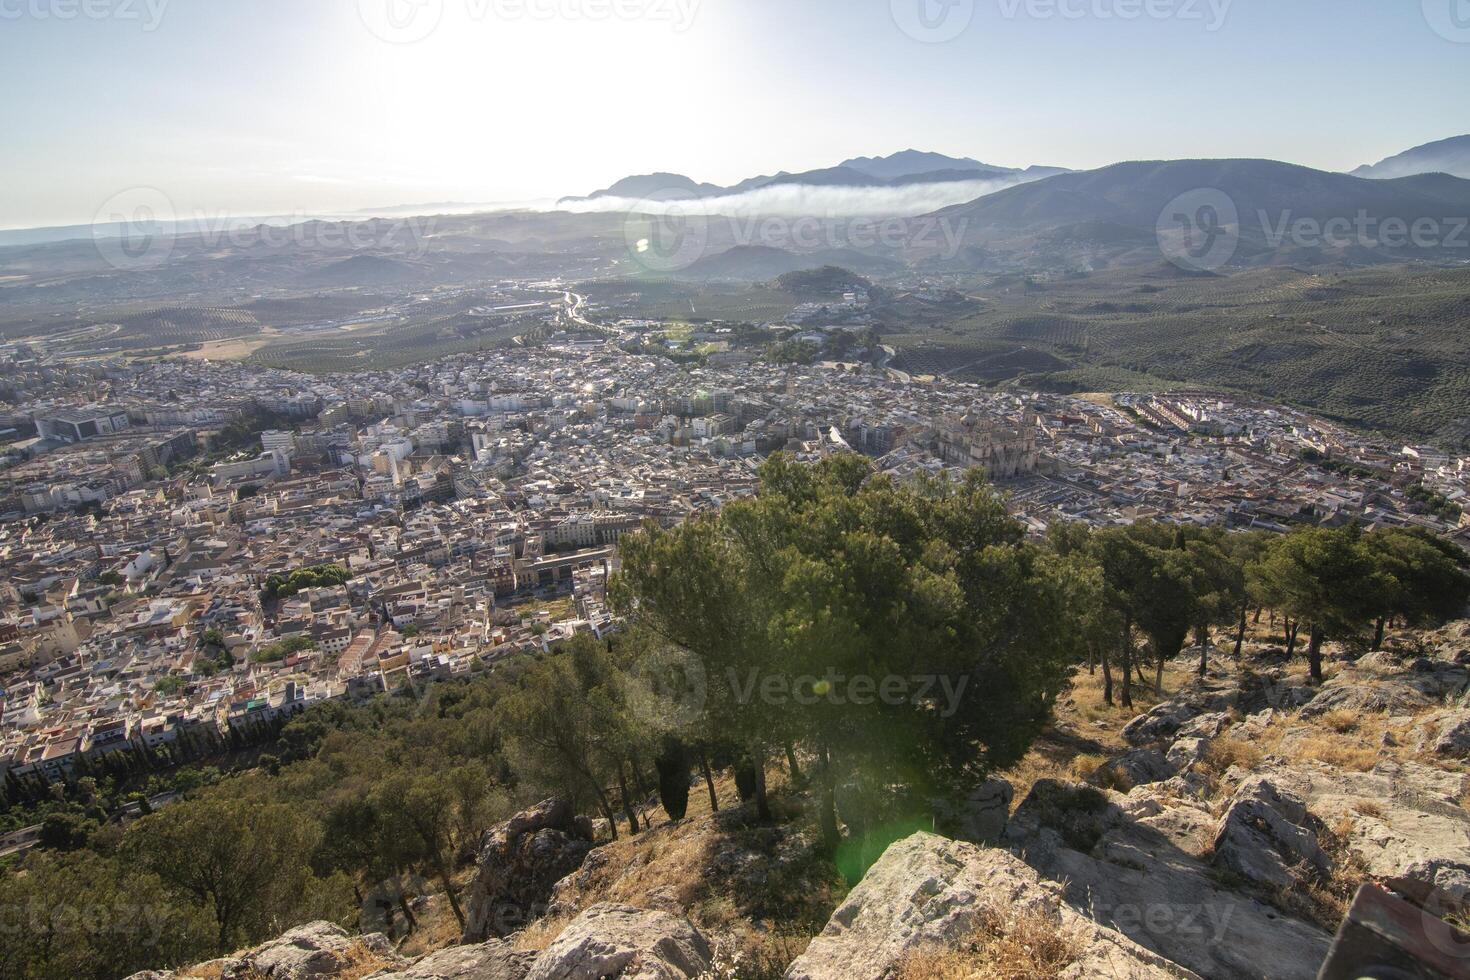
x=1378, y=349
x=1248, y=796
x=1450, y=156
x=1114, y=215
x=759, y=263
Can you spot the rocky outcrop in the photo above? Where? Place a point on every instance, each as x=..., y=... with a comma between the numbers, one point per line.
x=1267, y=837
x=1140, y=766
x=493, y=960
x=1379, y=683
x=1163, y=721
x=928, y=893
x=1447, y=733
x=626, y=943
x=315, y=951
x=1405, y=823
x=520, y=862
x=1132, y=862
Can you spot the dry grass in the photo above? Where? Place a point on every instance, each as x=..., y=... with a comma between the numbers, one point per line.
x=358, y=962
x=1338, y=752
x=1222, y=755
x=362, y=962
x=212, y=970
x=1326, y=902
x=763, y=922
x=541, y=933
x=437, y=926
x=1018, y=945
x=1341, y=721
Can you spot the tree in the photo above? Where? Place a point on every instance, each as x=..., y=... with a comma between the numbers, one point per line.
x=1218, y=576
x=1424, y=578
x=83, y=916
x=244, y=862
x=672, y=764
x=1127, y=574
x=554, y=736
x=422, y=808
x=1246, y=549
x=65, y=831
x=1326, y=579
x=834, y=584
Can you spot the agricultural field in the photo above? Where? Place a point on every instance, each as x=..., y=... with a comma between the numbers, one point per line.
x=660, y=299
x=1386, y=349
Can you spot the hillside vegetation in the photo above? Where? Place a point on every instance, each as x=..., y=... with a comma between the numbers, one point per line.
x=843, y=649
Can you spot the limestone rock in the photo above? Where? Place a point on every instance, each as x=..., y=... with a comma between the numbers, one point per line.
x=1078, y=813
x=1376, y=683
x=1451, y=732
x=1141, y=766
x=1142, y=875
x=519, y=863
x=1268, y=837
x=627, y=943
x=1163, y=721
x=1272, y=691
x=928, y=893
x=1185, y=753
x=1407, y=825
x=317, y=949
x=1208, y=725
x=492, y=960
x=981, y=816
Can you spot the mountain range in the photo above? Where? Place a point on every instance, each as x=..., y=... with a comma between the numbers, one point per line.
x=1043, y=218
x=1279, y=211
x=903, y=169
x=1451, y=156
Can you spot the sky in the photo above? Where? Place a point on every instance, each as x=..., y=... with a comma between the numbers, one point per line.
x=262, y=107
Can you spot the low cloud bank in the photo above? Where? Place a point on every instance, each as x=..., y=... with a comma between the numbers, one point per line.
x=799, y=200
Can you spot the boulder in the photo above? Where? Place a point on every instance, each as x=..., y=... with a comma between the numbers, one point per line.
x=1272, y=690
x=980, y=817
x=1140, y=872
x=1208, y=725
x=1164, y=720
x=492, y=960
x=1405, y=823
x=1269, y=838
x=927, y=894
x=627, y=943
x=317, y=949
x=1451, y=733
x=1377, y=683
x=1141, y=766
x=1185, y=753
x=520, y=861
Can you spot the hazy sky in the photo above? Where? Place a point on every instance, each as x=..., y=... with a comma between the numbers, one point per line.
x=283, y=106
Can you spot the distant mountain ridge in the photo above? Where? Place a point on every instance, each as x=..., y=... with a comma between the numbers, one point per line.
x=1450, y=156
x=903, y=169
x=1100, y=216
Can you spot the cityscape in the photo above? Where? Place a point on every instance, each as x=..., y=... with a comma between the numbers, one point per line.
x=734, y=490
x=476, y=503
